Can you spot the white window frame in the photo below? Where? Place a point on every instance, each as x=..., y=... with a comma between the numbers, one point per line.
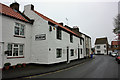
x=13, y=47
x=60, y=53
x=19, y=29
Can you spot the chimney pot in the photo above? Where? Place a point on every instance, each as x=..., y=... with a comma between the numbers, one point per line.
x=61, y=23
x=15, y=6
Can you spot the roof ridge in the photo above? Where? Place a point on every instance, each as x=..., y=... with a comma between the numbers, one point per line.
x=48, y=19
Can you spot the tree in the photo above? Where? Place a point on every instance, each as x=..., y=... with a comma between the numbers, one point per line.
x=116, y=24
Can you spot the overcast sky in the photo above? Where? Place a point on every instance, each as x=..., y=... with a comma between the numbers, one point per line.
x=93, y=17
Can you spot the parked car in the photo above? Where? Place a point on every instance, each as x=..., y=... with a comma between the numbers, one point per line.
x=118, y=58
x=114, y=54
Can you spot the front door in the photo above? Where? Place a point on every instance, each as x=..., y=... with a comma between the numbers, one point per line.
x=67, y=55
x=78, y=53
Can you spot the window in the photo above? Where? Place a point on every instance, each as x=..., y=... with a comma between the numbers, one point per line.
x=50, y=28
x=58, y=53
x=98, y=47
x=80, y=41
x=104, y=46
x=81, y=51
x=72, y=52
x=59, y=35
x=19, y=29
x=71, y=38
x=15, y=50
x=98, y=52
x=105, y=51
x=9, y=49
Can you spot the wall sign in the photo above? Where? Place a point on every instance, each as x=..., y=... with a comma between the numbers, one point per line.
x=40, y=37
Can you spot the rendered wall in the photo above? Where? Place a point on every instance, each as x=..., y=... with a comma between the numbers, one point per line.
x=8, y=37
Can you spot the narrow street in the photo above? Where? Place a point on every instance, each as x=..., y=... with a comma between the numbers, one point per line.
x=103, y=66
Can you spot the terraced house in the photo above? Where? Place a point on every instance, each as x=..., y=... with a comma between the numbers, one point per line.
x=31, y=37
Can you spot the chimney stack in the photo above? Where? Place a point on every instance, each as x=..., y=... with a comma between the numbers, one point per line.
x=15, y=6
x=75, y=28
x=61, y=23
x=29, y=7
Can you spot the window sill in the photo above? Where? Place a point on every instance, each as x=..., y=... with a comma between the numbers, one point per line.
x=19, y=36
x=14, y=57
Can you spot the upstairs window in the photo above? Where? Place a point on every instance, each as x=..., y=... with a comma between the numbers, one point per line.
x=80, y=41
x=104, y=46
x=71, y=38
x=19, y=29
x=81, y=51
x=98, y=47
x=59, y=35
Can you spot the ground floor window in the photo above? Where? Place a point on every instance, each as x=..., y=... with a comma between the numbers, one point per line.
x=105, y=51
x=81, y=51
x=15, y=50
x=58, y=52
x=98, y=52
x=72, y=52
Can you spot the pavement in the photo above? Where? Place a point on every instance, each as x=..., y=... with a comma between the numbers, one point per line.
x=38, y=69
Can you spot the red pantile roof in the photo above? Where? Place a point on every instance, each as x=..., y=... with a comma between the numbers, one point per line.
x=115, y=43
x=10, y=12
x=50, y=20
x=101, y=40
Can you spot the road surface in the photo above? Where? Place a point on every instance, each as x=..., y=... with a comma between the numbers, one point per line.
x=103, y=66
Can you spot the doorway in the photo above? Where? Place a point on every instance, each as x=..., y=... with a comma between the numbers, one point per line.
x=67, y=54
x=78, y=53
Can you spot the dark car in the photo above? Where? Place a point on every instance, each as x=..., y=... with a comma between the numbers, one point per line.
x=118, y=58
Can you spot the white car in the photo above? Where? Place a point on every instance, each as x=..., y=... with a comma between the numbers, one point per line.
x=114, y=54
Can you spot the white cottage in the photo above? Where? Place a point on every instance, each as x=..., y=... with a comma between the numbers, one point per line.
x=15, y=36
x=52, y=42
x=34, y=38
x=101, y=46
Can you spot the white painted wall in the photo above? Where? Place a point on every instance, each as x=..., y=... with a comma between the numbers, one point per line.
x=102, y=49
x=8, y=37
x=40, y=49
x=0, y=41
x=0, y=28
x=0, y=55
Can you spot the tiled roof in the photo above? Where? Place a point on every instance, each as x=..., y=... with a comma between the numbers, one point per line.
x=10, y=12
x=115, y=43
x=101, y=41
x=50, y=20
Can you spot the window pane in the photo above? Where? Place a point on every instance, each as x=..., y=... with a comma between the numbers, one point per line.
x=72, y=52
x=22, y=30
x=59, y=53
x=21, y=50
x=17, y=24
x=71, y=38
x=16, y=30
x=59, y=35
x=15, y=45
x=9, y=50
x=15, y=52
